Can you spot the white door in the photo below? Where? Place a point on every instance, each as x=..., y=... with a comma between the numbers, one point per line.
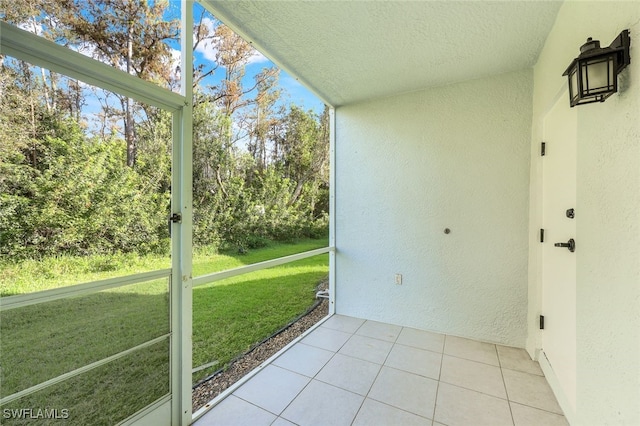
x=559, y=263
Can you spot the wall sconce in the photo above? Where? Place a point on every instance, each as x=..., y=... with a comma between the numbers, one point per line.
x=593, y=75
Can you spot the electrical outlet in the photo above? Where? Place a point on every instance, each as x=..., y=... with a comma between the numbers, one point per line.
x=398, y=279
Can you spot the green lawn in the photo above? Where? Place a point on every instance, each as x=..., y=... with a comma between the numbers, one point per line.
x=232, y=315
x=35, y=275
x=41, y=341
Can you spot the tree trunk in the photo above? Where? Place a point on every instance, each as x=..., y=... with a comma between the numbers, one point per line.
x=296, y=192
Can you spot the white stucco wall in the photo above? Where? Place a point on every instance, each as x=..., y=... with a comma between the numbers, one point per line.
x=607, y=217
x=412, y=165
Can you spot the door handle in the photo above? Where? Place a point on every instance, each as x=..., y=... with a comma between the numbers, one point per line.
x=571, y=245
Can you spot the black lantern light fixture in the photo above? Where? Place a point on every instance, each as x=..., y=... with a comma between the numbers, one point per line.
x=593, y=75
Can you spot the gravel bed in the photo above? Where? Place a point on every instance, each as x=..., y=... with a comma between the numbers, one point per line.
x=209, y=389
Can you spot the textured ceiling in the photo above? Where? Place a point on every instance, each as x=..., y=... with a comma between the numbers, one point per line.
x=351, y=51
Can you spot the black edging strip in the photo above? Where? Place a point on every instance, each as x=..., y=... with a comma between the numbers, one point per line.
x=221, y=370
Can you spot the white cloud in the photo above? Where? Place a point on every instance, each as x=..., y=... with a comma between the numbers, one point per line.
x=209, y=51
x=87, y=49
x=32, y=26
x=175, y=62
x=258, y=58
x=205, y=48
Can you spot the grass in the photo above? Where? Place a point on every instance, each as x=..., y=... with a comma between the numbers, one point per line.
x=42, y=341
x=232, y=315
x=103, y=396
x=34, y=275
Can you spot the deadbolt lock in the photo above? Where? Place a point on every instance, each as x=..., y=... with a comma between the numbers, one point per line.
x=571, y=213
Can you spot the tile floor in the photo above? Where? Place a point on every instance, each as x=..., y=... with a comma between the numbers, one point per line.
x=355, y=372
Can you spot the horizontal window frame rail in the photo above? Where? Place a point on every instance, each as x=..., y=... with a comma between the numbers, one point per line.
x=218, y=276
x=41, y=52
x=81, y=370
x=22, y=300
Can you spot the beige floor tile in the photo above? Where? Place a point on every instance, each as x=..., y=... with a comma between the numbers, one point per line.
x=409, y=392
x=414, y=360
x=367, y=348
x=343, y=323
x=323, y=404
x=471, y=349
x=304, y=359
x=348, y=373
x=233, y=411
x=528, y=416
x=273, y=388
x=531, y=390
x=376, y=413
x=326, y=338
x=517, y=359
x=325, y=379
x=473, y=375
x=421, y=339
x=380, y=330
x=456, y=406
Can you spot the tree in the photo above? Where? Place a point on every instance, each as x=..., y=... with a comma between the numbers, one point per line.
x=41, y=17
x=129, y=35
x=231, y=99
x=260, y=169
x=304, y=149
x=264, y=120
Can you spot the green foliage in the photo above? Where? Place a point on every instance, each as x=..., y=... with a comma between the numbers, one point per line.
x=78, y=199
x=239, y=204
x=260, y=171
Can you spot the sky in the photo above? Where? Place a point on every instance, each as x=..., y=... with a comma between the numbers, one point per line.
x=294, y=92
x=291, y=90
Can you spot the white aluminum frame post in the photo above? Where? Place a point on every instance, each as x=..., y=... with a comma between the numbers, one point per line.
x=332, y=211
x=182, y=203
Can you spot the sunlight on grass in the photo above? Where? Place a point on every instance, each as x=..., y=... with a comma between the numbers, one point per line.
x=35, y=275
x=106, y=395
x=42, y=341
x=232, y=315
x=53, y=272
x=206, y=263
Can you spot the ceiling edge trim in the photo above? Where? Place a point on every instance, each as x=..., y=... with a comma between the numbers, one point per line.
x=435, y=86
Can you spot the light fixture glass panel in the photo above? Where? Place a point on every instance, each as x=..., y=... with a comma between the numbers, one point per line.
x=596, y=75
x=573, y=87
